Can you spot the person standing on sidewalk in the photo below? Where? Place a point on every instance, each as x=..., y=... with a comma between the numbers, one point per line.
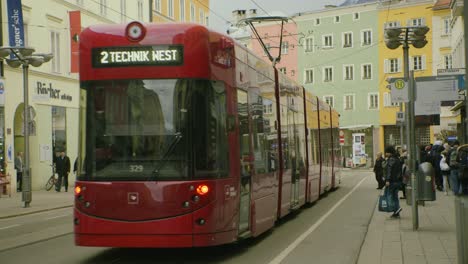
x=19, y=171
x=393, y=178
x=445, y=169
x=378, y=171
x=62, y=164
x=454, y=168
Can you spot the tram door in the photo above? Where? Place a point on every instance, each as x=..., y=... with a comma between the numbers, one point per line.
x=245, y=161
x=293, y=146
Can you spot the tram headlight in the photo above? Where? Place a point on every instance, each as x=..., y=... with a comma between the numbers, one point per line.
x=135, y=31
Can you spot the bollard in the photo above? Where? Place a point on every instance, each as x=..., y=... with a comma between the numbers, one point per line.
x=461, y=215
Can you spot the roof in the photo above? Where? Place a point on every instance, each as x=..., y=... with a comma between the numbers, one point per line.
x=441, y=4
x=357, y=2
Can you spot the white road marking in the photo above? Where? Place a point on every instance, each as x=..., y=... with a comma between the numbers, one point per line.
x=58, y=216
x=6, y=227
x=293, y=245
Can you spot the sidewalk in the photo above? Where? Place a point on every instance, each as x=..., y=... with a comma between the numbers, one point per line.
x=41, y=201
x=394, y=241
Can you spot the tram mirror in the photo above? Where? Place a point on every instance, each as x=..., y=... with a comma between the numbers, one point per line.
x=231, y=123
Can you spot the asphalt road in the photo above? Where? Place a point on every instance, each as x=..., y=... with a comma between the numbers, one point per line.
x=330, y=231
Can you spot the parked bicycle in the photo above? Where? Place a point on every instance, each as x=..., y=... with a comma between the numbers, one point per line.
x=52, y=181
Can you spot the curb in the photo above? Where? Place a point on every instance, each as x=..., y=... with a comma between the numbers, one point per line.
x=34, y=212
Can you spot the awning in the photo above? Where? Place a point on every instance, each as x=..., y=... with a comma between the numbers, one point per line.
x=356, y=127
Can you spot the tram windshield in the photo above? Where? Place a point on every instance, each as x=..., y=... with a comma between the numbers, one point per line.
x=171, y=129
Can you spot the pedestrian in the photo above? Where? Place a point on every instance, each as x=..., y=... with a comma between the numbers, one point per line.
x=393, y=178
x=445, y=170
x=19, y=171
x=454, y=168
x=63, y=169
x=378, y=171
x=405, y=172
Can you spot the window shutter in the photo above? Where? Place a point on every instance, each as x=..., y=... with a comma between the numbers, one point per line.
x=399, y=65
x=398, y=23
x=386, y=66
x=423, y=61
x=423, y=21
x=411, y=63
x=386, y=99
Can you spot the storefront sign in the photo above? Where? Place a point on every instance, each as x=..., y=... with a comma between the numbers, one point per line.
x=15, y=23
x=44, y=90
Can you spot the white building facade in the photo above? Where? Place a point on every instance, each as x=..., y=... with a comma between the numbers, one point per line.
x=50, y=27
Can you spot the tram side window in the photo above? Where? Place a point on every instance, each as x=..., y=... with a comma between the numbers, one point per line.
x=209, y=129
x=269, y=135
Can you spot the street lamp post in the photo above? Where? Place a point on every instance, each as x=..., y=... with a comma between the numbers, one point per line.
x=394, y=38
x=25, y=56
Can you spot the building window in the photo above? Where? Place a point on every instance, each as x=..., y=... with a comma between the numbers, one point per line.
x=55, y=44
x=309, y=76
x=388, y=100
x=356, y=16
x=448, y=61
x=348, y=102
x=327, y=41
x=206, y=21
x=417, y=22
x=284, y=47
x=392, y=24
x=348, y=71
x=366, y=71
x=328, y=74
x=418, y=63
x=201, y=17
x=317, y=21
x=103, y=7
x=80, y=2
x=59, y=127
x=329, y=99
x=157, y=5
x=309, y=44
x=123, y=10
x=373, y=101
x=267, y=107
x=366, y=37
x=447, y=28
x=140, y=10
x=347, y=40
x=283, y=70
x=170, y=8
x=392, y=65
x=182, y=10
x=337, y=19
x=192, y=12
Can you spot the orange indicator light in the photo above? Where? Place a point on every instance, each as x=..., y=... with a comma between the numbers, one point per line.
x=202, y=189
x=77, y=190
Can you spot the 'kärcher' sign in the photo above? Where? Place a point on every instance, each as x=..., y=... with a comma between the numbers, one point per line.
x=138, y=56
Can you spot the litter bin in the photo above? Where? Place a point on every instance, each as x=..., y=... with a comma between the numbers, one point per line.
x=425, y=179
x=461, y=214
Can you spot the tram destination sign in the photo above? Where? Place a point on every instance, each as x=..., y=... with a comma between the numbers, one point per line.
x=161, y=55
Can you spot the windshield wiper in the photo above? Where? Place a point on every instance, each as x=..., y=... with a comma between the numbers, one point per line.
x=169, y=151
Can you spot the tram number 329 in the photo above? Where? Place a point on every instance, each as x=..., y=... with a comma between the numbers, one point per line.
x=136, y=168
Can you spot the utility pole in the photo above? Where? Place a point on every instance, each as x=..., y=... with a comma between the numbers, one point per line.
x=394, y=38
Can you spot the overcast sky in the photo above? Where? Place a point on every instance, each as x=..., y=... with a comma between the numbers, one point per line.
x=221, y=9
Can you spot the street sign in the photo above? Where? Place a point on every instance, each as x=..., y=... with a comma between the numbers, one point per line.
x=458, y=71
x=400, y=117
x=399, y=90
x=430, y=91
x=341, y=137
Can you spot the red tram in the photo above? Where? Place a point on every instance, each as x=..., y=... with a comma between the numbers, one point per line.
x=187, y=139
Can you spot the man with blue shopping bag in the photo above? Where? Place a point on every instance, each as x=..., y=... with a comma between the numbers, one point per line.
x=392, y=184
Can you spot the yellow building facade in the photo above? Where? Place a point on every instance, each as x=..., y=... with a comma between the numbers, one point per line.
x=391, y=65
x=193, y=11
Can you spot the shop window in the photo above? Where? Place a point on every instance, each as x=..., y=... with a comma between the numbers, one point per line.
x=59, y=125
